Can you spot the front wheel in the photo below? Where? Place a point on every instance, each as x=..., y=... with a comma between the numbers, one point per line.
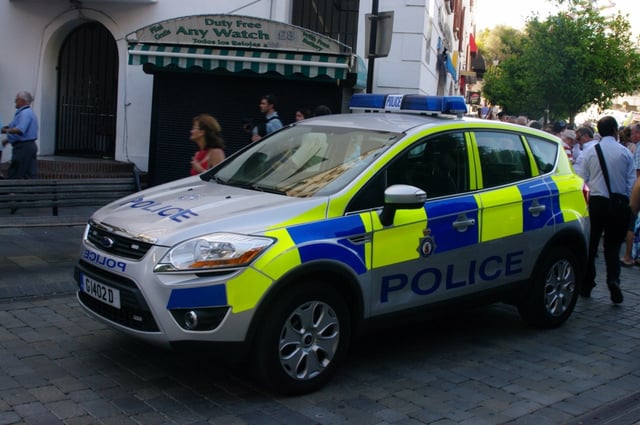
x=303, y=339
x=553, y=293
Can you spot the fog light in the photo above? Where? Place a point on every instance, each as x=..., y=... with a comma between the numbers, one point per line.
x=191, y=320
x=199, y=319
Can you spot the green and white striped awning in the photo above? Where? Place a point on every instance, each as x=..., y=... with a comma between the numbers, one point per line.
x=237, y=60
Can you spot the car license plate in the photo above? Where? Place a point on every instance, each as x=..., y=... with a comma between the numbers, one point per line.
x=100, y=291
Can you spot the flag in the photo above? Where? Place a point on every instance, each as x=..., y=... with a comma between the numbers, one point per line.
x=473, y=47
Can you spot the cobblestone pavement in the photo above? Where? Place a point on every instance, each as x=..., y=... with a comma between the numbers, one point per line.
x=483, y=366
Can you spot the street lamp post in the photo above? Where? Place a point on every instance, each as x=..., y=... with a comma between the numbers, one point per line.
x=372, y=44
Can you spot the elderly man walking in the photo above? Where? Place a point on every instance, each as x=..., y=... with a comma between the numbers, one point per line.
x=22, y=133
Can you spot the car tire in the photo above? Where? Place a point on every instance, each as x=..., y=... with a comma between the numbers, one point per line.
x=553, y=292
x=303, y=339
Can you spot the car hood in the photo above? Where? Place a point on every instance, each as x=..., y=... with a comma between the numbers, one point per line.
x=173, y=212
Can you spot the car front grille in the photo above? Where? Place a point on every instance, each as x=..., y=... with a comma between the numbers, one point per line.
x=133, y=313
x=117, y=245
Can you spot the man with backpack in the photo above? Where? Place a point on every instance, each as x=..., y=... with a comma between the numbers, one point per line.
x=271, y=120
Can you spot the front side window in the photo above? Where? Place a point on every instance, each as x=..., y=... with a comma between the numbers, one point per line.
x=437, y=164
x=503, y=158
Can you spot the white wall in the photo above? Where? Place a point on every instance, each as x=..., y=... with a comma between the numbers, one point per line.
x=411, y=64
x=32, y=31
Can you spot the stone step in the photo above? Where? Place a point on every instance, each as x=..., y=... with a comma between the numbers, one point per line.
x=80, y=168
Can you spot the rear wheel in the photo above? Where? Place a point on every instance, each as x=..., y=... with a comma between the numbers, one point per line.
x=553, y=292
x=303, y=339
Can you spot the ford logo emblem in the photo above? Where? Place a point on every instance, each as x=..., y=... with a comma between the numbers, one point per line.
x=107, y=242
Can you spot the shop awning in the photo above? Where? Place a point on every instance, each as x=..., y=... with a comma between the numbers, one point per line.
x=238, y=60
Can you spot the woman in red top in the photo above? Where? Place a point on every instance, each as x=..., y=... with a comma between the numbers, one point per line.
x=206, y=133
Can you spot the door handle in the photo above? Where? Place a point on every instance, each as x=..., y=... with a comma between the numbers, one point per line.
x=536, y=208
x=462, y=223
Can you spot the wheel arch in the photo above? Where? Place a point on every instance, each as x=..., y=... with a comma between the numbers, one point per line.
x=573, y=239
x=552, y=293
x=336, y=275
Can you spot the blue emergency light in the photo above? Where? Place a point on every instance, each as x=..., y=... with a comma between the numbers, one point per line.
x=409, y=103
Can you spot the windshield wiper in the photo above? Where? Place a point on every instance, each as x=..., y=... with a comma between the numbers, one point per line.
x=268, y=189
x=251, y=186
x=218, y=180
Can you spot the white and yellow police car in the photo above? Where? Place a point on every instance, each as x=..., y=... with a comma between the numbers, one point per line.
x=291, y=246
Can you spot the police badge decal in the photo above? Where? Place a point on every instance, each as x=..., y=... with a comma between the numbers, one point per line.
x=427, y=245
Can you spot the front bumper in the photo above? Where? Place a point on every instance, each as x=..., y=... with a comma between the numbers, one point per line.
x=160, y=308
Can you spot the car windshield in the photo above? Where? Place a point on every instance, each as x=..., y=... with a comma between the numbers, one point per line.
x=305, y=160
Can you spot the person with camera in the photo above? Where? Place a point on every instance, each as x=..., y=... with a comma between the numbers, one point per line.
x=271, y=121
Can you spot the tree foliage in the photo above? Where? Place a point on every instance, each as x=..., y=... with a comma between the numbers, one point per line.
x=563, y=64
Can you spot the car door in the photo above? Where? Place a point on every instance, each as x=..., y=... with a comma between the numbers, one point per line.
x=516, y=206
x=425, y=255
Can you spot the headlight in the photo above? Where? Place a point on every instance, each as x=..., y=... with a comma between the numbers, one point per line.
x=213, y=251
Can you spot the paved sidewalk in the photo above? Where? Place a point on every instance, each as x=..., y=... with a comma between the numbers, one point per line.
x=43, y=217
x=481, y=367
x=38, y=261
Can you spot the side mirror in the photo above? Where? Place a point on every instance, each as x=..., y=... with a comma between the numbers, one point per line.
x=401, y=196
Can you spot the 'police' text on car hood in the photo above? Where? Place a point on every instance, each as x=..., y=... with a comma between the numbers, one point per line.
x=192, y=207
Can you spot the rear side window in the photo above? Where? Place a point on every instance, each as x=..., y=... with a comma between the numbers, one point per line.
x=544, y=152
x=503, y=158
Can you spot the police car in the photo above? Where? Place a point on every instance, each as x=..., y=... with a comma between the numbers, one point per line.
x=288, y=248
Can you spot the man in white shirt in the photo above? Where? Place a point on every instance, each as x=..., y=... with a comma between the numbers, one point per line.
x=604, y=216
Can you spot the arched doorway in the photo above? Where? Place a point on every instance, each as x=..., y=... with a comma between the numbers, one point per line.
x=87, y=93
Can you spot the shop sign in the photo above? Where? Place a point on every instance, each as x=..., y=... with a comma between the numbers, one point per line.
x=235, y=31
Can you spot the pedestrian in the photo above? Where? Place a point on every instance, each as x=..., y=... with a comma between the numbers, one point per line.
x=625, y=138
x=629, y=259
x=558, y=128
x=584, y=140
x=535, y=124
x=247, y=127
x=634, y=202
x=569, y=137
x=522, y=120
x=321, y=110
x=485, y=111
x=206, y=133
x=302, y=113
x=271, y=122
x=609, y=171
x=22, y=133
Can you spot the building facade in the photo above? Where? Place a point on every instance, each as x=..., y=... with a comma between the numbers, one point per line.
x=122, y=79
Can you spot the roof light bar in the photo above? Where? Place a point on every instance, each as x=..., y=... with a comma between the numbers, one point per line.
x=409, y=103
x=367, y=101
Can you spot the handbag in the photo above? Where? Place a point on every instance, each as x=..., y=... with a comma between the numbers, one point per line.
x=618, y=202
